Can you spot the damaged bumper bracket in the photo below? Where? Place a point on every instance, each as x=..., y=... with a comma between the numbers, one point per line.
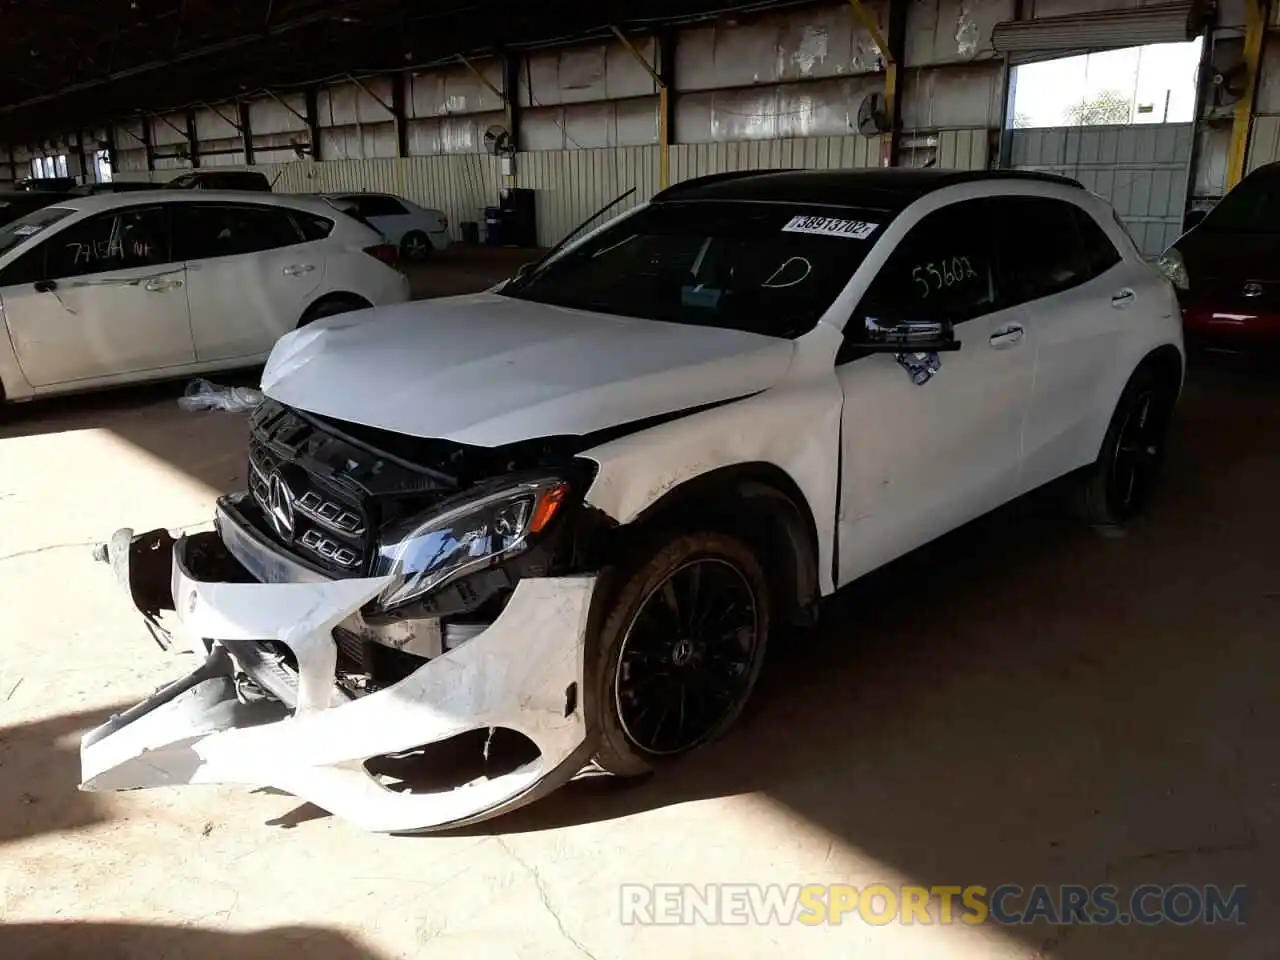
x=523, y=673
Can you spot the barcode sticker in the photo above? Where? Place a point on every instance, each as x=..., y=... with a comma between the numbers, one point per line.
x=831, y=227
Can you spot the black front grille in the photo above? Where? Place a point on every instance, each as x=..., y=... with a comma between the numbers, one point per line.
x=328, y=526
x=339, y=492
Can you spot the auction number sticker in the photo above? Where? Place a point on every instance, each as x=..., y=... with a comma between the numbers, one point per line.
x=831, y=227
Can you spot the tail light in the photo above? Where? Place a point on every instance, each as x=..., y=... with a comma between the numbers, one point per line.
x=386, y=252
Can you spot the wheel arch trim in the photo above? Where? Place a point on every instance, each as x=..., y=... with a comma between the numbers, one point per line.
x=762, y=485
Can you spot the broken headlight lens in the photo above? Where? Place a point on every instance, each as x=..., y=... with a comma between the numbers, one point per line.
x=428, y=553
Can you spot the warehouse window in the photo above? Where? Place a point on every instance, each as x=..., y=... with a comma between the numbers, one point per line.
x=43, y=168
x=1137, y=85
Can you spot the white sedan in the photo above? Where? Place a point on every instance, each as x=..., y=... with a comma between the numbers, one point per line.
x=115, y=288
x=416, y=231
x=573, y=511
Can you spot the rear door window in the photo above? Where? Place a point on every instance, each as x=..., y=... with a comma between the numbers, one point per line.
x=1100, y=253
x=1049, y=246
x=313, y=227
x=205, y=230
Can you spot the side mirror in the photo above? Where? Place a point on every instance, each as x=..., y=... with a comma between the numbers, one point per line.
x=912, y=336
x=523, y=271
x=46, y=286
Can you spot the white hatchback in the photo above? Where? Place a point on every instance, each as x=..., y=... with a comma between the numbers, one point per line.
x=116, y=288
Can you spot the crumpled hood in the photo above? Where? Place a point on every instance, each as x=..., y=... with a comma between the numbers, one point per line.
x=488, y=370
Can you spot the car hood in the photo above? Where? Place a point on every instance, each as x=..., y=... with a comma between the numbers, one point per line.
x=488, y=370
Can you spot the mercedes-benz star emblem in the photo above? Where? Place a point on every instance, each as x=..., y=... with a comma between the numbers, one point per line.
x=1252, y=289
x=280, y=506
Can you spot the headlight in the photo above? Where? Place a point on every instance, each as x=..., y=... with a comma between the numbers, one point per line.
x=429, y=552
x=1174, y=269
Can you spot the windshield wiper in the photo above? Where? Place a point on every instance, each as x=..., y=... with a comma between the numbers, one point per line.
x=528, y=270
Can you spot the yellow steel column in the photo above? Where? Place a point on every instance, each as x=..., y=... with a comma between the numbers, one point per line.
x=868, y=20
x=664, y=139
x=1255, y=29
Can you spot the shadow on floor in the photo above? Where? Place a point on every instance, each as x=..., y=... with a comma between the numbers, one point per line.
x=208, y=446
x=135, y=941
x=39, y=771
x=1028, y=701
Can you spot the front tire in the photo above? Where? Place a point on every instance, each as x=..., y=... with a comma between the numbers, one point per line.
x=679, y=652
x=1120, y=484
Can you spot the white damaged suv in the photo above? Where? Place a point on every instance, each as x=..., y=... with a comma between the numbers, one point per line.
x=565, y=516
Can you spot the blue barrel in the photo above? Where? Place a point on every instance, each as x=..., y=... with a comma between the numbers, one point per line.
x=493, y=226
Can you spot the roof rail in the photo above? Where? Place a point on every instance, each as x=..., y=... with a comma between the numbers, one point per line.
x=1027, y=175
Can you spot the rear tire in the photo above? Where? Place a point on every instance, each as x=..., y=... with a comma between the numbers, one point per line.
x=679, y=653
x=1120, y=484
x=332, y=306
x=415, y=246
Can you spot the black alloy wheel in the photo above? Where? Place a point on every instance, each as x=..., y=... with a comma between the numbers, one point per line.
x=680, y=651
x=1122, y=482
x=1136, y=462
x=686, y=658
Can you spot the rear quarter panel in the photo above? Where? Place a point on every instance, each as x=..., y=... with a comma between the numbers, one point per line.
x=1153, y=322
x=1156, y=323
x=348, y=269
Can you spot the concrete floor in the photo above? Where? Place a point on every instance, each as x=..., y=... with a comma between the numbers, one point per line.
x=1025, y=702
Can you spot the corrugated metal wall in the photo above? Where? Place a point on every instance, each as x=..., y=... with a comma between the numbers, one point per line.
x=825, y=153
x=778, y=89
x=1141, y=170
x=1264, y=141
x=1264, y=146
x=570, y=184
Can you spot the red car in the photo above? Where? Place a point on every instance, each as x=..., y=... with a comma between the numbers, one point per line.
x=1227, y=268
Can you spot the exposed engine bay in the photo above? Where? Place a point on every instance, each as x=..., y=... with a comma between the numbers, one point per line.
x=325, y=494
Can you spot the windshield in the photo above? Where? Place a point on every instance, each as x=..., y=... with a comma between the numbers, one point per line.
x=1252, y=207
x=12, y=234
x=763, y=268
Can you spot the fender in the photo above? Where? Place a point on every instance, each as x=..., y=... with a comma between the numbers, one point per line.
x=794, y=427
x=13, y=384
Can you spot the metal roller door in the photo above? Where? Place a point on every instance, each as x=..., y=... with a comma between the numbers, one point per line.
x=1142, y=170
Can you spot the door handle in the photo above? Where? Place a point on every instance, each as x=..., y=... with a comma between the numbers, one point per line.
x=298, y=269
x=1122, y=298
x=161, y=286
x=1007, y=337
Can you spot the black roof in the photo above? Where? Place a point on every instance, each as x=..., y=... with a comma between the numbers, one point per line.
x=875, y=188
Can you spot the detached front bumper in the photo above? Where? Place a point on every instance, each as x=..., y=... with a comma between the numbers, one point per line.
x=524, y=673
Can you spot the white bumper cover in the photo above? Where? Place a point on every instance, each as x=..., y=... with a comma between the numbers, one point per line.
x=523, y=673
